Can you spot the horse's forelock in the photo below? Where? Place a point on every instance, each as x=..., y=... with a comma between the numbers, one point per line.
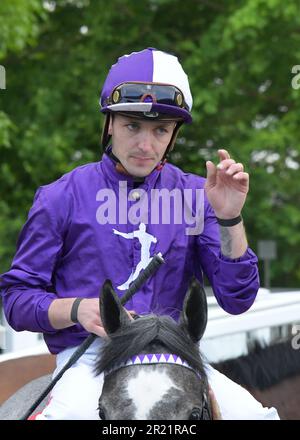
x=136, y=337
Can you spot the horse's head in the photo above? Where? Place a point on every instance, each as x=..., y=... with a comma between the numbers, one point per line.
x=152, y=365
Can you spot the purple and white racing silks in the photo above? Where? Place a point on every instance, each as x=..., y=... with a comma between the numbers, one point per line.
x=87, y=227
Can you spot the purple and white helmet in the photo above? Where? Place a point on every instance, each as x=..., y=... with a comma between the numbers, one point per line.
x=150, y=82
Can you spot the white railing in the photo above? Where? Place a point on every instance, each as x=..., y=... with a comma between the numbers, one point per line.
x=226, y=335
x=268, y=310
x=38, y=349
x=14, y=341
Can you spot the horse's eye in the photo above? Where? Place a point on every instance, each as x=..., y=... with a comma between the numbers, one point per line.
x=101, y=413
x=195, y=414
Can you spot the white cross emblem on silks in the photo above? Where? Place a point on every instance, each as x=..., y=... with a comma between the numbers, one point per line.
x=145, y=239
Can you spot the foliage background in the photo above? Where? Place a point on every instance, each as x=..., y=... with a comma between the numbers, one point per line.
x=239, y=56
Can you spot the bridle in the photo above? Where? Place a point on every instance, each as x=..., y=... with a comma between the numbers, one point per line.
x=163, y=358
x=152, y=359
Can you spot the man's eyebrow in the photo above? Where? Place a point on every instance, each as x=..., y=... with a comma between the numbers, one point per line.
x=165, y=123
x=131, y=120
x=159, y=123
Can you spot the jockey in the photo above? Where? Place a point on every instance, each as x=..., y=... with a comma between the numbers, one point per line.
x=98, y=222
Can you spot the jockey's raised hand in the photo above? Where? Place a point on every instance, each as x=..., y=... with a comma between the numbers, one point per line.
x=226, y=186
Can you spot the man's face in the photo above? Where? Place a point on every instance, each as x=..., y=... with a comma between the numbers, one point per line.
x=139, y=144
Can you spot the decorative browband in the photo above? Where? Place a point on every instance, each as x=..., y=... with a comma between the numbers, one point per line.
x=151, y=359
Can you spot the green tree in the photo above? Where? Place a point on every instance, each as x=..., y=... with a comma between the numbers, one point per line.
x=19, y=28
x=239, y=57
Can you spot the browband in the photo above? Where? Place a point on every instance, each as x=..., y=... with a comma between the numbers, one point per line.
x=152, y=359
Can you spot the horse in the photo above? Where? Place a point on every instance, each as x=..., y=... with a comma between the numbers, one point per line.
x=153, y=369
x=152, y=366
x=271, y=373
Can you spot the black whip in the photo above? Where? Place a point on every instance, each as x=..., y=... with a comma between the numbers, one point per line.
x=152, y=267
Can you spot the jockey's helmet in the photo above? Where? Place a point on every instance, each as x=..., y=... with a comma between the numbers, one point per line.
x=150, y=84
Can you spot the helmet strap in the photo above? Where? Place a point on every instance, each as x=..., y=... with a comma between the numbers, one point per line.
x=161, y=164
x=171, y=144
x=105, y=137
x=121, y=169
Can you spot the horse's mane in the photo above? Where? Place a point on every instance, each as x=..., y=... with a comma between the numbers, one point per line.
x=263, y=366
x=146, y=332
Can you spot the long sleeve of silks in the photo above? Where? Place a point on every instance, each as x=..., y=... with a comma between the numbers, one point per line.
x=25, y=287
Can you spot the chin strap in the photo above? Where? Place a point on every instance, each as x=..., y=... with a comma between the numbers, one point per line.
x=162, y=163
x=121, y=169
x=170, y=146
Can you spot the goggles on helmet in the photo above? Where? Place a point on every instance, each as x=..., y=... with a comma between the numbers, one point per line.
x=147, y=92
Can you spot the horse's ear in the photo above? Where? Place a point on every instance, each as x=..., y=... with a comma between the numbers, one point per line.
x=194, y=314
x=112, y=313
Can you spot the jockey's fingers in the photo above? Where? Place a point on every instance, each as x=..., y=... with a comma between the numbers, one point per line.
x=98, y=330
x=235, y=168
x=223, y=154
x=225, y=164
x=242, y=177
